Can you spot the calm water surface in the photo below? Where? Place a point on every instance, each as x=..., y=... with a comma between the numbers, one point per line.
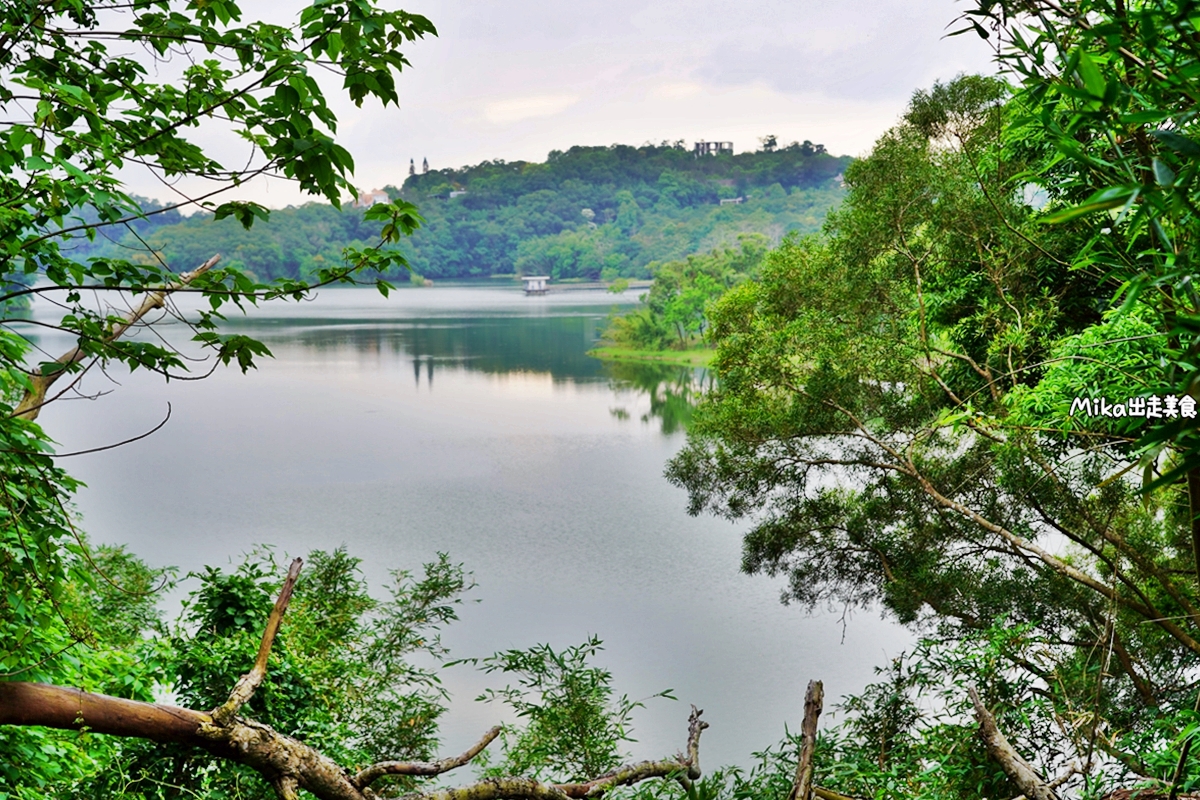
x=470, y=420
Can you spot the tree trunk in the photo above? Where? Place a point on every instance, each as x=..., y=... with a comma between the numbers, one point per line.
x=814, y=698
x=288, y=764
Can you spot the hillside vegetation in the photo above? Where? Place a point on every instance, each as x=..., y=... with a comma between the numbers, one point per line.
x=589, y=212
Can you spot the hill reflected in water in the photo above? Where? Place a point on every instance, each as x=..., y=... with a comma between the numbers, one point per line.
x=495, y=344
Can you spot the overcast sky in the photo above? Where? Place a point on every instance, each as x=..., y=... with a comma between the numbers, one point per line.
x=517, y=79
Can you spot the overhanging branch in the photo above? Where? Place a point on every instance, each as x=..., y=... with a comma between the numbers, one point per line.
x=35, y=398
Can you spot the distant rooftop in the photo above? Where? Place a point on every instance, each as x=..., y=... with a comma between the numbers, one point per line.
x=703, y=148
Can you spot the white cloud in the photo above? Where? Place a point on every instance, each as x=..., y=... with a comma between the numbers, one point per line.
x=514, y=80
x=676, y=91
x=504, y=112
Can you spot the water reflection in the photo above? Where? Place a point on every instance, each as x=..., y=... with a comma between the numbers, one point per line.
x=554, y=345
x=673, y=390
x=559, y=509
x=463, y=329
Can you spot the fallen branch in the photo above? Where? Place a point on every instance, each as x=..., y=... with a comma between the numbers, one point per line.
x=376, y=771
x=290, y=765
x=683, y=769
x=35, y=398
x=999, y=748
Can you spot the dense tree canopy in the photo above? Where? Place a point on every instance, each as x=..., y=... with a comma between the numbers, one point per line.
x=900, y=406
x=610, y=211
x=674, y=312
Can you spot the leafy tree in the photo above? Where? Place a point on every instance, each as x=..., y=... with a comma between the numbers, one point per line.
x=341, y=677
x=649, y=204
x=674, y=310
x=1110, y=100
x=894, y=416
x=574, y=727
x=81, y=105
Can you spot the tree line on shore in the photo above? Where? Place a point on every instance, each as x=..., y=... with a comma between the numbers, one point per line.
x=589, y=213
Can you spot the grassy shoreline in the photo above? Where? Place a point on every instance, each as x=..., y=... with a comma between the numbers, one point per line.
x=696, y=357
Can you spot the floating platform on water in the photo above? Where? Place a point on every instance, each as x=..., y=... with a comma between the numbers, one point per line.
x=536, y=284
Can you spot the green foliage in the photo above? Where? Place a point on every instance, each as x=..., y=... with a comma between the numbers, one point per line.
x=613, y=210
x=101, y=609
x=1108, y=117
x=526, y=218
x=82, y=106
x=573, y=726
x=892, y=417
x=350, y=675
x=674, y=311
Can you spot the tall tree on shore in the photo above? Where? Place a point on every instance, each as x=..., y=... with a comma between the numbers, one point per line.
x=895, y=414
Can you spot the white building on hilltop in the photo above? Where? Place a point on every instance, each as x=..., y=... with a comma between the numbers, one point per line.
x=368, y=199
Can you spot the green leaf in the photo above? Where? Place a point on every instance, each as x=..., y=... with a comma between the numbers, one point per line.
x=1089, y=73
x=244, y=212
x=1177, y=142
x=1113, y=197
x=1163, y=174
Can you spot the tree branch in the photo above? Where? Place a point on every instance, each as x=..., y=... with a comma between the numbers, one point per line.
x=31, y=404
x=802, y=787
x=999, y=748
x=244, y=689
x=74, y=709
x=286, y=787
x=376, y=771
x=291, y=765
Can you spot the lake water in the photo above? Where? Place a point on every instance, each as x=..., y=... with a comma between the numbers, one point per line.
x=470, y=420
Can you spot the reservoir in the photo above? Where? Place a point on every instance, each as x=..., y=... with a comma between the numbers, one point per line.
x=470, y=420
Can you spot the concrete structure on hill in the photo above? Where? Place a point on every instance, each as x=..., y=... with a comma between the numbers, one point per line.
x=703, y=148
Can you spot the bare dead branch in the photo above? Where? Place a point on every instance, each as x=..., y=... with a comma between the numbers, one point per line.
x=376, y=771
x=999, y=748
x=248, y=683
x=696, y=727
x=72, y=709
x=814, y=698
x=31, y=404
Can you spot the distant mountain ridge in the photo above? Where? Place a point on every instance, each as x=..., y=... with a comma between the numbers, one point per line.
x=588, y=212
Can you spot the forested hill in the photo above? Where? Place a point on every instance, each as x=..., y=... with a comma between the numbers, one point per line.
x=593, y=211
x=588, y=212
